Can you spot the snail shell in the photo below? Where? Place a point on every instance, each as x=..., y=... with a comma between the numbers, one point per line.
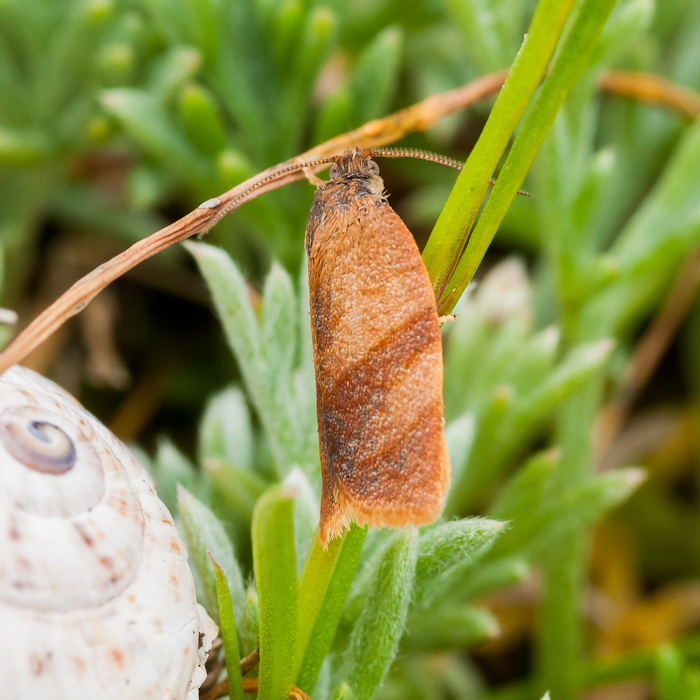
x=96, y=598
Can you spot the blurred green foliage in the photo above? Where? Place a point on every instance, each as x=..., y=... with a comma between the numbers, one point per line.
x=116, y=115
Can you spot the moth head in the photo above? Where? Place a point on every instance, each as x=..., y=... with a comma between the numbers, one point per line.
x=354, y=163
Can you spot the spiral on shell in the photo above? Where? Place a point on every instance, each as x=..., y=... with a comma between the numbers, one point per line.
x=38, y=443
x=94, y=582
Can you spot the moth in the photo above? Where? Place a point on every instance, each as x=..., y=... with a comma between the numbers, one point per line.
x=377, y=355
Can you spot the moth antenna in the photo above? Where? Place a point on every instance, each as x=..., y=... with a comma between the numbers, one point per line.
x=522, y=193
x=273, y=176
x=414, y=153
x=425, y=155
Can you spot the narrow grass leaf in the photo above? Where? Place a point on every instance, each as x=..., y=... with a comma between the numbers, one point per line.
x=202, y=120
x=278, y=332
x=171, y=71
x=572, y=60
x=452, y=227
x=322, y=592
x=274, y=562
x=229, y=637
x=580, y=364
x=467, y=485
x=459, y=436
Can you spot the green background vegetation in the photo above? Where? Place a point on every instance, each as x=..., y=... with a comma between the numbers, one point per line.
x=118, y=116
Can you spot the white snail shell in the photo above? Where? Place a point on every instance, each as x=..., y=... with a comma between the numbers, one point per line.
x=96, y=598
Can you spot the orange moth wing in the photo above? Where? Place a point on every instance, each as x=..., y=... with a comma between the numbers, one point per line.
x=378, y=358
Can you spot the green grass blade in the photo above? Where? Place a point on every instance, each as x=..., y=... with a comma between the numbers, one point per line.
x=569, y=66
x=324, y=586
x=229, y=636
x=275, y=566
x=452, y=228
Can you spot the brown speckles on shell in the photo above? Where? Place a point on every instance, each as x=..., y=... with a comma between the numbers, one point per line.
x=117, y=657
x=14, y=532
x=88, y=561
x=39, y=663
x=378, y=358
x=84, y=536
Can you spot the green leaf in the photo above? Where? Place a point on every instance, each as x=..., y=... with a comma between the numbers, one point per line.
x=560, y=518
x=469, y=482
x=24, y=147
x=535, y=361
x=143, y=117
x=249, y=631
x=343, y=692
x=231, y=299
x=375, y=78
x=286, y=31
x=583, y=362
x=306, y=514
x=265, y=355
x=225, y=431
x=459, y=436
x=446, y=551
x=204, y=534
x=304, y=382
x=335, y=115
x=491, y=576
x=202, y=120
x=375, y=637
x=449, y=627
x=317, y=38
x=668, y=676
x=172, y=71
x=279, y=330
x=170, y=468
x=485, y=40
x=509, y=423
x=274, y=562
x=525, y=492
x=240, y=488
x=322, y=592
x=229, y=637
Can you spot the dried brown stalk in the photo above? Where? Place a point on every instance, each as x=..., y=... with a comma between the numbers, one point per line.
x=653, y=90
x=378, y=132
x=248, y=663
x=250, y=685
x=649, y=352
x=375, y=133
